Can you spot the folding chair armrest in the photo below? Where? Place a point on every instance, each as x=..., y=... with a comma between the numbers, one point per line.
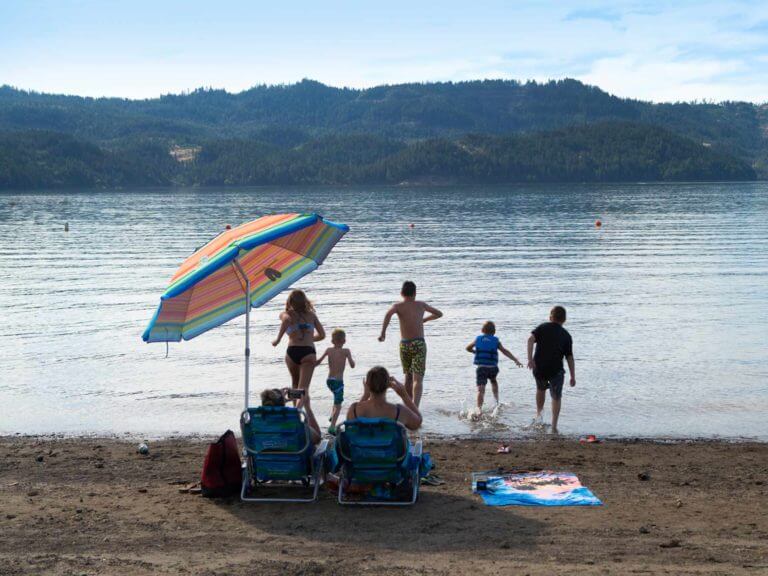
x=321, y=449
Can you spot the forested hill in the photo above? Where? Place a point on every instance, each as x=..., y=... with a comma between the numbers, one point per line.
x=294, y=118
x=602, y=152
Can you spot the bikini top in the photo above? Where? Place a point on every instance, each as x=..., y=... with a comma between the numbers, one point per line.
x=299, y=326
x=303, y=326
x=397, y=414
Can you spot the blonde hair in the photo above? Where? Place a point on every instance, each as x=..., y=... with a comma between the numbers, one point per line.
x=338, y=334
x=298, y=303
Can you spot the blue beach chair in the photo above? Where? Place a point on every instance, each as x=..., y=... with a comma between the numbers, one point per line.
x=378, y=465
x=279, y=454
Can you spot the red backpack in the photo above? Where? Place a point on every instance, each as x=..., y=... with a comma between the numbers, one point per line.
x=221, y=470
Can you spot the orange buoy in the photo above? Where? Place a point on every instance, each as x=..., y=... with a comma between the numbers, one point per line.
x=598, y=223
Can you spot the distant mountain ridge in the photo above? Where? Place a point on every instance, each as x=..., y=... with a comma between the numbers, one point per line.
x=292, y=116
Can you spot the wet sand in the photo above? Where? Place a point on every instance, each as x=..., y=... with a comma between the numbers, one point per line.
x=95, y=506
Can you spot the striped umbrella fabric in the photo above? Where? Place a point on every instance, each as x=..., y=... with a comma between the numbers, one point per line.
x=208, y=289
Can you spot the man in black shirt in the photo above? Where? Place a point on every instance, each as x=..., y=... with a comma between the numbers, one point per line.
x=553, y=343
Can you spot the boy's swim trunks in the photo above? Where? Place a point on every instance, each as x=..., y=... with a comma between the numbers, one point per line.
x=555, y=384
x=485, y=373
x=337, y=387
x=413, y=356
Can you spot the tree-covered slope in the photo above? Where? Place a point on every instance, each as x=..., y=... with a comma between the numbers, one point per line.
x=404, y=112
x=43, y=159
x=612, y=151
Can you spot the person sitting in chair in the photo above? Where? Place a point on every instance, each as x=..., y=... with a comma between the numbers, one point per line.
x=373, y=403
x=277, y=397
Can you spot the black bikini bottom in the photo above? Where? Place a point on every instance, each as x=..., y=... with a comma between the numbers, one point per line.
x=297, y=353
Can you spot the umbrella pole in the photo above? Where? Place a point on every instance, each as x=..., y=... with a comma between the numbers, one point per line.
x=247, y=335
x=239, y=268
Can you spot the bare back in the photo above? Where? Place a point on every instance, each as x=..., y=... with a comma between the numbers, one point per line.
x=300, y=329
x=337, y=361
x=410, y=313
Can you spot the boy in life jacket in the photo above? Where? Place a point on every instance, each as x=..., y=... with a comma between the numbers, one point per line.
x=486, y=348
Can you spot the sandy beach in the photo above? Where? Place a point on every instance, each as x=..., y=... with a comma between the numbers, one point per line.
x=95, y=506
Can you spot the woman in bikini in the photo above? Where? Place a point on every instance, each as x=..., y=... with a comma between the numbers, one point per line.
x=300, y=322
x=374, y=403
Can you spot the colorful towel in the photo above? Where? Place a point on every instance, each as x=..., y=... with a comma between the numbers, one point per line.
x=544, y=488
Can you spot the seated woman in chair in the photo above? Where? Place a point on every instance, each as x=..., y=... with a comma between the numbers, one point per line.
x=277, y=397
x=374, y=403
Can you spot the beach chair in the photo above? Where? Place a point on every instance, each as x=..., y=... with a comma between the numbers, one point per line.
x=279, y=456
x=378, y=464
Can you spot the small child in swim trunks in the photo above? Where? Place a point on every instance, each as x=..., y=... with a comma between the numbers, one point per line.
x=337, y=361
x=486, y=348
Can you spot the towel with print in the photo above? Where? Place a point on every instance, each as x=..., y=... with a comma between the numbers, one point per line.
x=544, y=488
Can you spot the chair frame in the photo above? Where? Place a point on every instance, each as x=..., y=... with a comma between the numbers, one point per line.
x=315, y=479
x=415, y=478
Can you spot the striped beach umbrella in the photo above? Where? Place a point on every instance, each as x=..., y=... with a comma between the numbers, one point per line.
x=240, y=269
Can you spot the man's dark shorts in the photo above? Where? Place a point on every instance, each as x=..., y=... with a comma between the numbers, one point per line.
x=485, y=373
x=555, y=384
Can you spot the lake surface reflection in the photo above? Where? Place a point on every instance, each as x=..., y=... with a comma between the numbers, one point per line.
x=667, y=303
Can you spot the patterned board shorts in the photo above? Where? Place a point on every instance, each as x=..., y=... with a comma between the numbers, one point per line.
x=337, y=387
x=413, y=356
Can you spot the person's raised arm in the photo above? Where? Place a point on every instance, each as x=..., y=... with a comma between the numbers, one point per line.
x=434, y=313
x=531, y=342
x=314, y=428
x=319, y=331
x=385, y=324
x=471, y=347
x=509, y=355
x=320, y=360
x=283, y=326
x=572, y=369
x=366, y=393
x=349, y=357
x=409, y=413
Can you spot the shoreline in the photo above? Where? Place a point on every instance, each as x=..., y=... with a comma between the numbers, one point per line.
x=95, y=506
x=346, y=186
x=430, y=436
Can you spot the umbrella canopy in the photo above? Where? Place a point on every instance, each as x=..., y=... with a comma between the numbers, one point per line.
x=264, y=256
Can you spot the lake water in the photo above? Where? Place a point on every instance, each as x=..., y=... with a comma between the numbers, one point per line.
x=667, y=304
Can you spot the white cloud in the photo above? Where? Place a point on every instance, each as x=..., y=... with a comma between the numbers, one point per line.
x=661, y=77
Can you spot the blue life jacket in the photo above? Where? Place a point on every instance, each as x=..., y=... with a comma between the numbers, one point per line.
x=486, y=350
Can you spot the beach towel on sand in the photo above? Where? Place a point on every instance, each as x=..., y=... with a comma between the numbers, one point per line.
x=545, y=488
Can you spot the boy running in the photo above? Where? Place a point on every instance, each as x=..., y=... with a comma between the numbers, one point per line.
x=337, y=361
x=486, y=348
x=553, y=343
x=413, y=348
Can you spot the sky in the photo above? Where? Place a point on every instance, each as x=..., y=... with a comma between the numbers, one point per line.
x=658, y=51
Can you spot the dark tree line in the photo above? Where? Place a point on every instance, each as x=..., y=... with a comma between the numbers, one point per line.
x=610, y=151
